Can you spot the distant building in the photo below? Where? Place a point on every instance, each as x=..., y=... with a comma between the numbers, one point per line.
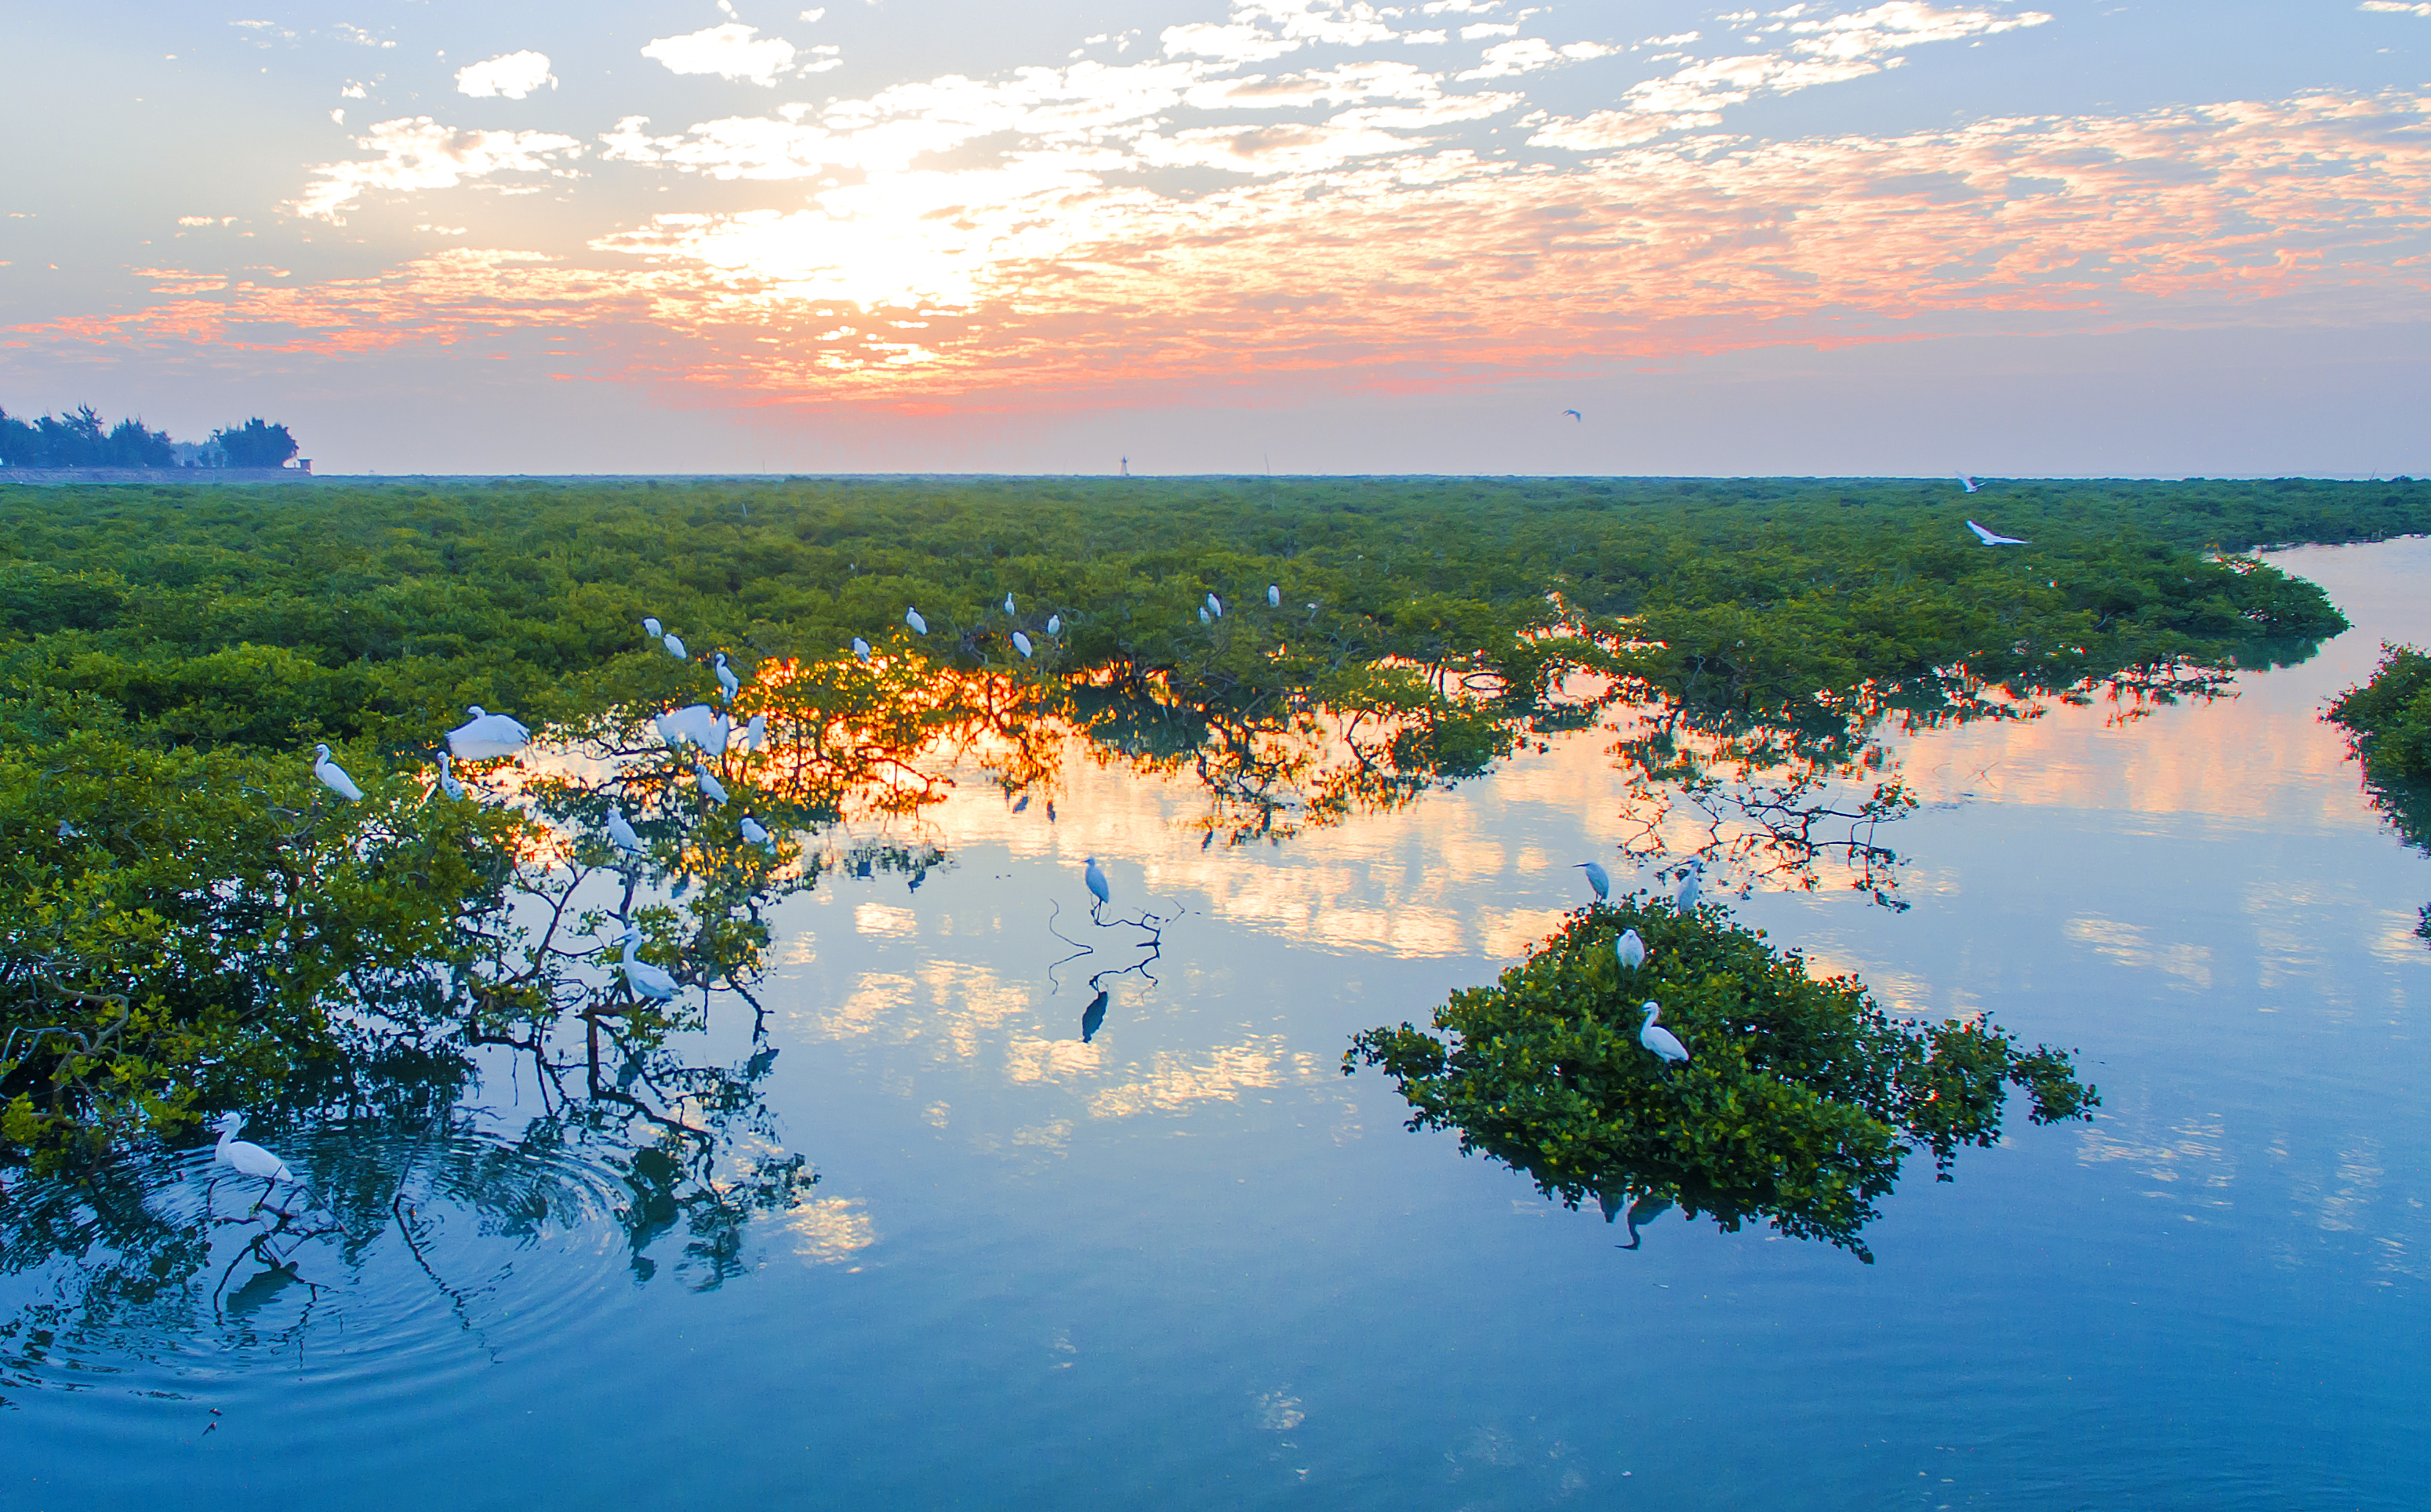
x=196, y=454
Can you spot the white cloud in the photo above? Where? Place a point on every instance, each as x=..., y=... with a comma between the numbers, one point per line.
x=2394, y=8
x=1228, y=44
x=1273, y=149
x=1529, y=53
x=513, y=75
x=1482, y=29
x=1347, y=85
x=417, y=152
x=732, y=51
x=1608, y=129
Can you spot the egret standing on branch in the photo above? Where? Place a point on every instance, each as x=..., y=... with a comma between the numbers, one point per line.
x=911, y=617
x=1274, y=595
x=1659, y=1039
x=1097, y=888
x=1691, y=889
x=859, y=649
x=755, y=735
x=1008, y=603
x=710, y=788
x=1629, y=951
x=1021, y=643
x=675, y=646
x=727, y=684
x=754, y=830
x=1217, y=605
x=333, y=776
x=485, y=735
x=1055, y=624
x=654, y=982
x=652, y=628
x=248, y=1159
x=448, y=782
x=1598, y=878
x=620, y=834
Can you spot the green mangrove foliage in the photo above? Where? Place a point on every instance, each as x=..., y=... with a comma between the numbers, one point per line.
x=1799, y=1103
x=2387, y=721
x=187, y=920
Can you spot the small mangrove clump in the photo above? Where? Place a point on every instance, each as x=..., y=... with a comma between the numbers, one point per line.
x=1798, y=1103
x=2389, y=717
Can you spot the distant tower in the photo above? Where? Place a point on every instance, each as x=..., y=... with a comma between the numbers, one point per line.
x=1127, y=467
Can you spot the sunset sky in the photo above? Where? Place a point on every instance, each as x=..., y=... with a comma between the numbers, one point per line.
x=2187, y=237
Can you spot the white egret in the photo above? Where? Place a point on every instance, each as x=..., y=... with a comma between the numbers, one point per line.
x=485, y=735
x=1097, y=880
x=1598, y=878
x=1055, y=624
x=248, y=1159
x=1274, y=595
x=710, y=788
x=652, y=628
x=696, y=722
x=1659, y=1039
x=1008, y=603
x=675, y=646
x=1629, y=951
x=1967, y=483
x=646, y=980
x=1204, y=617
x=754, y=830
x=755, y=735
x=448, y=782
x=727, y=684
x=1988, y=538
x=1575, y=415
x=621, y=835
x=1021, y=643
x=333, y=776
x=1691, y=889
x=859, y=649
x=919, y=626
x=1216, y=604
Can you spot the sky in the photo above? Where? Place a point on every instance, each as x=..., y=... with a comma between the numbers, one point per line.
x=1915, y=238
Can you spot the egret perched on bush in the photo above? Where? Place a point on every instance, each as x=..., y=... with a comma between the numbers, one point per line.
x=1217, y=605
x=1204, y=617
x=333, y=776
x=620, y=834
x=1096, y=877
x=919, y=626
x=859, y=649
x=651, y=627
x=1055, y=624
x=1598, y=878
x=696, y=722
x=1274, y=595
x=1691, y=889
x=485, y=735
x=1659, y=1039
x=1629, y=951
x=755, y=735
x=1008, y=603
x=1021, y=643
x=248, y=1159
x=727, y=684
x=675, y=646
x=710, y=788
x=754, y=830
x=448, y=782
x=647, y=981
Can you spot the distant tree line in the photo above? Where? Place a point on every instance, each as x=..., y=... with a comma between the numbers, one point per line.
x=81, y=439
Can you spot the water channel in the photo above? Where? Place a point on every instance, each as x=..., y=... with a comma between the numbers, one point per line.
x=960, y=1248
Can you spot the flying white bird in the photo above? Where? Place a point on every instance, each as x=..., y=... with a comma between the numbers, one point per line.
x=755, y=735
x=1021, y=643
x=919, y=626
x=675, y=646
x=333, y=776
x=1216, y=604
x=248, y=1159
x=1629, y=950
x=1691, y=887
x=1008, y=603
x=448, y=782
x=653, y=629
x=1971, y=484
x=1274, y=595
x=1097, y=880
x=620, y=834
x=1990, y=539
x=727, y=684
x=754, y=830
x=1575, y=415
x=485, y=735
x=1598, y=878
x=654, y=982
x=859, y=649
x=710, y=788
x=1659, y=1039
x=1055, y=624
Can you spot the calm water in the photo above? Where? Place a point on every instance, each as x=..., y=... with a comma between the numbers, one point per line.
x=1187, y=1263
